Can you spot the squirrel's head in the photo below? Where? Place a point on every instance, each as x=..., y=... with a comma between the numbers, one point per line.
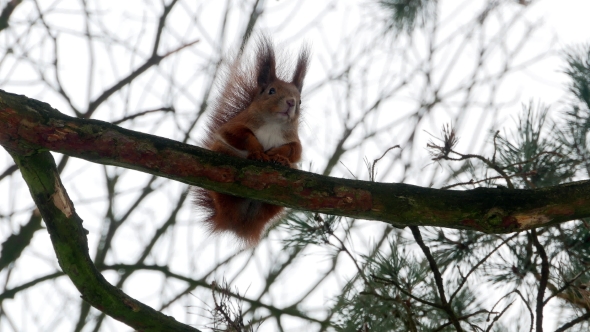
x=277, y=99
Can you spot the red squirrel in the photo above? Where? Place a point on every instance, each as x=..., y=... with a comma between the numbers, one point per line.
x=256, y=116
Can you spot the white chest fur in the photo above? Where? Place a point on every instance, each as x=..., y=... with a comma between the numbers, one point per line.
x=270, y=135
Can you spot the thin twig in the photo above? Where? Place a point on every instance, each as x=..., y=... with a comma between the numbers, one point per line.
x=498, y=316
x=495, y=146
x=8, y=171
x=580, y=319
x=153, y=60
x=565, y=286
x=133, y=116
x=528, y=308
x=544, y=279
x=461, y=318
x=6, y=12
x=472, y=182
x=488, y=163
x=478, y=264
x=406, y=292
x=437, y=277
x=378, y=159
x=533, y=158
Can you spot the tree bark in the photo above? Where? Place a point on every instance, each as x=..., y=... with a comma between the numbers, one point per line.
x=71, y=247
x=28, y=126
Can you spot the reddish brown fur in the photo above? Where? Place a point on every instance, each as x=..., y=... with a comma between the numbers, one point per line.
x=255, y=108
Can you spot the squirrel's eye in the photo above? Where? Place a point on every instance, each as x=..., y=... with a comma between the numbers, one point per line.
x=272, y=91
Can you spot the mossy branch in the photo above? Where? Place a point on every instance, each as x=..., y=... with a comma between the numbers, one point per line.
x=28, y=126
x=71, y=247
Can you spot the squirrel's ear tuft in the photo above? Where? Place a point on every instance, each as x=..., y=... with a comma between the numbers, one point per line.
x=265, y=62
x=301, y=68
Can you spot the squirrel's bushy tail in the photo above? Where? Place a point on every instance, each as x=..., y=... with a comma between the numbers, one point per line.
x=253, y=94
x=243, y=217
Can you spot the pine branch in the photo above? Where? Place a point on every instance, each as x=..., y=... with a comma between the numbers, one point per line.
x=28, y=126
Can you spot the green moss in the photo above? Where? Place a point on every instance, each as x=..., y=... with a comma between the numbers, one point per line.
x=494, y=217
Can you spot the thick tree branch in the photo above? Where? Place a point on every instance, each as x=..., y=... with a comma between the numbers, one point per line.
x=71, y=247
x=28, y=126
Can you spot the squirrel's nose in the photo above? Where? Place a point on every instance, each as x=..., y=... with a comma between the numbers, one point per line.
x=291, y=102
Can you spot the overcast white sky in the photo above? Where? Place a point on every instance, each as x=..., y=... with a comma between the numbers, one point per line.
x=566, y=22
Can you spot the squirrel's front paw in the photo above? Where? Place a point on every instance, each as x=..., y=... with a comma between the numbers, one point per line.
x=258, y=155
x=277, y=158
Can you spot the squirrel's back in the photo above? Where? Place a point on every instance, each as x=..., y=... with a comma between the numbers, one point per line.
x=255, y=116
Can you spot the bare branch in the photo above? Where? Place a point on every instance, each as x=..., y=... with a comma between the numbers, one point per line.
x=6, y=12
x=71, y=246
x=543, y=281
x=437, y=278
x=27, y=125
